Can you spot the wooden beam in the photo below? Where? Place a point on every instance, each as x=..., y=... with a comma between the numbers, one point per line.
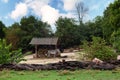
x=36, y=52
x=55, y=46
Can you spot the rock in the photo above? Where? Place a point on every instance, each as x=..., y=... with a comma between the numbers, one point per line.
x=118, y=57
x=103, y=66
x=97, y=61
x=23, y=67
x=7, y=66
x=114, y=62
x=63, y=65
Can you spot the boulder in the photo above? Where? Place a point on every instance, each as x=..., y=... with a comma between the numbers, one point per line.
x=97, y=61
x=103, y=66
x=118, y=57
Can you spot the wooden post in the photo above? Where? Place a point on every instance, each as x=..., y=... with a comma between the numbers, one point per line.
x=36, y=50
x=55, y=46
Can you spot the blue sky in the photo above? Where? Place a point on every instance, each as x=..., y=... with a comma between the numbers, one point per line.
x=48, y=10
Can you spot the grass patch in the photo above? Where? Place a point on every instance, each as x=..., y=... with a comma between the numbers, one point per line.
x=66, y=72
x=60, y=75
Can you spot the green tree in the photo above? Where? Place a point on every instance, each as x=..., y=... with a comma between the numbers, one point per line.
x=32, y=27
x=7, y=56
x=12, y=35
x=67, y=32
x=72, y=34
x=20, y=34
x=98, y=27
x=2, y=33
x=98, y=48
x=112, y=23
x=87, y=31
x=115, y=40
x=91, y=28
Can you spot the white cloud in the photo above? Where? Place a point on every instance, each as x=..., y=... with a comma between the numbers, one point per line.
x=69, y=7
x=49, y=14
x=39, y=8
x=5, y=1
x=20, y=10
x=43, y=1
x=43, y=10
x=70, y=4
x=36, y=6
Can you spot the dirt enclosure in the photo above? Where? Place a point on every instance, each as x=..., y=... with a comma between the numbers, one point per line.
x=69, y=57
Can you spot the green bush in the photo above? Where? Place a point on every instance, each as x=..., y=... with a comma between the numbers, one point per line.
x=8, y=56
x=115, y=40
x=98, y=48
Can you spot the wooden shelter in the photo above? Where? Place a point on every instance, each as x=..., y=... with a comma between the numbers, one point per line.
x=44, y=42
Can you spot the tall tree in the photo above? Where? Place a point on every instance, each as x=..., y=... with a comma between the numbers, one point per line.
x=98, y=26
x=112, y=24
x=12, y=35
x=2, y=33
x=32, y=27
x=67, y=32
x=81, y=11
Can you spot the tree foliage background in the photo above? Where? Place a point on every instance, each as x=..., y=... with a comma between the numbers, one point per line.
x=69, y=31
x=20, y=34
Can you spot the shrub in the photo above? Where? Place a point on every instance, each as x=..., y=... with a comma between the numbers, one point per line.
x=98, y=48
x=8, y=56
x=115, y=40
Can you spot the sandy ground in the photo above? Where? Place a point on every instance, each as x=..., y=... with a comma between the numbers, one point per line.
x=30, y=60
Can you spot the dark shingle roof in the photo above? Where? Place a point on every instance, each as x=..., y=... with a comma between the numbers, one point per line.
x=44, y=41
